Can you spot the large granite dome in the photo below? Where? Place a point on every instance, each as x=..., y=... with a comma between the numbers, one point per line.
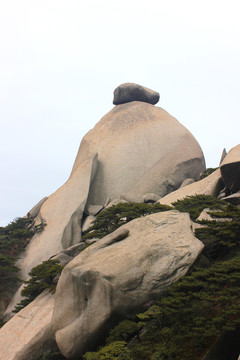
x=141, y=149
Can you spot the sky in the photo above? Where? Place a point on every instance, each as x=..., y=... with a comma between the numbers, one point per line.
x=60, y=62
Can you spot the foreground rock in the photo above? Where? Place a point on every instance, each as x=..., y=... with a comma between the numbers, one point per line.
x=230, y=169
x=134, y=92
x=29, y=331
x=115, y=278
x=208, y=186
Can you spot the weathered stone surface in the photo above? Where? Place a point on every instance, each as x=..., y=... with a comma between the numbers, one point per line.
x=230, y=169
x=187, y=182
x=208, y=186
x=63, y=259
x=29, y=331
x=133, y=92
x=206, y=215
x=224, y=154
x=94, y=209
x=62, y=212
x=142, y=149
x=150, y=198
x=74, y=250
x=35, y=210
x=114, y=277
x=57, y=211
x=88, y=222
x=115, y=202
x=233, y=199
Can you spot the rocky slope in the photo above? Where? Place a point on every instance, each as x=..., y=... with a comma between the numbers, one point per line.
x=136, y=153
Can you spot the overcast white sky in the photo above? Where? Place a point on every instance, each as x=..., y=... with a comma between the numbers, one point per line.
x=60, y=62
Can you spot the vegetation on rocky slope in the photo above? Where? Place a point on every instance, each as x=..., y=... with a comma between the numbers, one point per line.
x=13, y=239
x=194, y=312
x=115, y=216
x=43, y=276
x=188, y=318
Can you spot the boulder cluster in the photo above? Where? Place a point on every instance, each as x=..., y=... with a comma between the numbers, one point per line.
x=136, y=153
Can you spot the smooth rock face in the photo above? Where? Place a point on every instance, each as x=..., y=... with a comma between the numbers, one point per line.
x=88, y=222
x=35, y=210
x=187, y=182
x=62, y=212
x=230, y=169
x=29, y=331
x=233, y=199
x=208, y=186
x=133, y=92
x=57, y=211
x=114, y=277
x=141, y=149
x=150, y=198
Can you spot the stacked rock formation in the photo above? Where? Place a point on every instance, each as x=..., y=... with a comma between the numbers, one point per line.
x=137, y=152
x=134, y=150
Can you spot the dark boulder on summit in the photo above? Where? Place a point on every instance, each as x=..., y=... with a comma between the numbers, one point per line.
x=133, y=92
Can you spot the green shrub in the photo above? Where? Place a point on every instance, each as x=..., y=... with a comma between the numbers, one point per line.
x=194, y=205
x=115, y=350
x=41, y=277
x=196, y=309
x=13, y=239
x=123, y=331
x=112, y=218
x=220, y=238
x=185, y=322
x=51, y=354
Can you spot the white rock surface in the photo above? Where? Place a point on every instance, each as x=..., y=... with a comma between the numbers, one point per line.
x=35, y=210
x=57, y=211
x=115, y=277
x=115, y=202
x=207, y=186
x=141, y=149
x=88, y=222
x=62, y=212
x=187, y=182
x=29, y=331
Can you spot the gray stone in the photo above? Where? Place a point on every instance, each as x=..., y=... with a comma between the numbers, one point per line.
x=63, y=215
x=91, y=241
x=115, y=202
x=230, y=169
x=64, y=259
x=74, y=250
x=187, y=182
x=222, y=194
x=88, y=222
x=35, y=210
x=206, y=215
x=119, y=275
x=133, y=92
x=25, y=335
x=224, y=154
x=150, y=198
x=94, y=209
x=141, y=149
x=208, y=186
x=132, y=198
x=233, y=198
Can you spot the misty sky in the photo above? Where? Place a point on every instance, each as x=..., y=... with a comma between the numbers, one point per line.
x=60, y=62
